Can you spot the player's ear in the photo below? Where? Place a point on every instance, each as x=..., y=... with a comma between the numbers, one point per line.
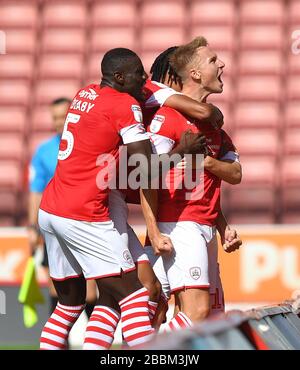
x=119, y=78
x=195, y=74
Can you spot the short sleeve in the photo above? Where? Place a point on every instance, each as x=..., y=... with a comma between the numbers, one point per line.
x=37, y=174
x=162, y=133
x=157, y=94
x=129, y=121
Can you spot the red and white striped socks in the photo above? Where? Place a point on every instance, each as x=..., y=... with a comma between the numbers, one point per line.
x=135, y=321
x=56, y=330
x=180, y=321
x=101, y=328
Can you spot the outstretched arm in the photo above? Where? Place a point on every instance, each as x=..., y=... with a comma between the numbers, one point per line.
x=203, y=112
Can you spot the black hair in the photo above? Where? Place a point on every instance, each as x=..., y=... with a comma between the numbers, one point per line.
x=162, y=67
x=115, y=60
x=61, y=101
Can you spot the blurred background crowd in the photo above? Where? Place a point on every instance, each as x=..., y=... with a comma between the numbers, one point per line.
x=54, y=47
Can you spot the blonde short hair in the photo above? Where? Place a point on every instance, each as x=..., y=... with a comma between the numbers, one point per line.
x=185, y=54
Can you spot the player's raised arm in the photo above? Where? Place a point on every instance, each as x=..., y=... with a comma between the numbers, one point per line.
x=203, y=112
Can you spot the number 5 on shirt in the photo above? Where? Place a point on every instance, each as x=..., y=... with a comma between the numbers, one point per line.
x=68, y=136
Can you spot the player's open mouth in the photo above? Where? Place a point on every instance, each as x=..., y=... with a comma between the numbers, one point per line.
x=220, y=78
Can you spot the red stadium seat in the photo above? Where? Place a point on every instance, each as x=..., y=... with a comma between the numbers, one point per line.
x=261, y=11
x=212, y=12
x=293, y=88
x=261, y=37
x=7, y=221
x=294, y=12
x=48, y=90
x=94, y=66
x=20, y=41
x=11, y=146
x=252, y=218
x=256, y=142
x=65, y=14
x=12, y=119
x=8, y=202
x=290, y=198
x=261, y=62
x=91, y=80
x=103, y=39
x=157, y=39
x=227, y=58
x=293, y=64
x=163, y=13
x=251, y=199
x=259, y=88
x=290, y=204
x=114, y=13
x=64, y=40
x=292, y=114
x=292, y=141
x=18, y=15
x=10, y=175
x=16, y=66
x=218, y=37
x=259, y=171
x=148, y=58
x=257, y=115
x=61, y=66
x=290, y=175
x=292, y=217
x=14, y=92
x=41, y=119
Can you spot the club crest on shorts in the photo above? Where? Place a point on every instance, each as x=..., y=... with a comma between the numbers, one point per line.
x=137, y=112
x=156, y=123
x=195, y=272
x=127, y=257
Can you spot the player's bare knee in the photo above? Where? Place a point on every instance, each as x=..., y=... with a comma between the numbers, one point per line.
x=198, y=313
x=203, y=312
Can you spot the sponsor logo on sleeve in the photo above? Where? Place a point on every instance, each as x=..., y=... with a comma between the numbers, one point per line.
x=156, y=123
x=137, y=112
